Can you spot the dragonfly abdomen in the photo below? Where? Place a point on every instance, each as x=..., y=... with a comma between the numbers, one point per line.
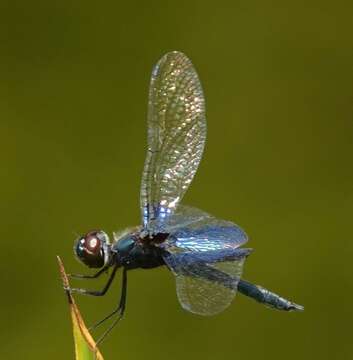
x=267, y=297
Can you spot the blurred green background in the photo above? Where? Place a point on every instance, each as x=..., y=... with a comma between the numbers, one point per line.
x=73, y=96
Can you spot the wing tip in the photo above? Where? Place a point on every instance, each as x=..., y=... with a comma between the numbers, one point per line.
x=175, y=54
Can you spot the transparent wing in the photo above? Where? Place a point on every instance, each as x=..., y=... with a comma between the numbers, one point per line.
x=186, y=216
x=205, y=288
x=176, y=138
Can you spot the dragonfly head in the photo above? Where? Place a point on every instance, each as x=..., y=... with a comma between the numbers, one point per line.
x=93, y=249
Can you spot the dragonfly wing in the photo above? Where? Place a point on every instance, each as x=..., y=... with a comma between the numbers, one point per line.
x=186, y=217
x=205, y=288
x=176, y=138
x=206, y=260
x=192, y=229
x=202, y=297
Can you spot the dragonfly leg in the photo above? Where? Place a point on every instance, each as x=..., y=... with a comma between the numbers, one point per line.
x=94, y=276
x=120, y=310
x=97, y=292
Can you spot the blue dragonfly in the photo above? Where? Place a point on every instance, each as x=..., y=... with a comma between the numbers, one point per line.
x=203, y=252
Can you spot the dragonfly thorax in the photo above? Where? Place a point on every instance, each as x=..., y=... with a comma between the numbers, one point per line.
x=132, y=252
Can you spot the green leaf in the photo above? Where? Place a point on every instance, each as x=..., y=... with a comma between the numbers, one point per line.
x=85, y=346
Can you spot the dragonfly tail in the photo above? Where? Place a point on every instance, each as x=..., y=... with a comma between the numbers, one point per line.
x=267, y=297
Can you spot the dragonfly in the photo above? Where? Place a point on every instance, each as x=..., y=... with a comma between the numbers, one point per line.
x=204, y=253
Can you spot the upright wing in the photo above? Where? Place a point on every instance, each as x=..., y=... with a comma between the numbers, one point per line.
x=176, y=138
x=204, y=255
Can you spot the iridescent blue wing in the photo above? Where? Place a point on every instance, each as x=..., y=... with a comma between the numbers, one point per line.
x=204, y=255
x=195, y=230
x=176, y=138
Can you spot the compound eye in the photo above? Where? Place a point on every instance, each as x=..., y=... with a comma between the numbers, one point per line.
x=92, y=243
x=90, y=249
